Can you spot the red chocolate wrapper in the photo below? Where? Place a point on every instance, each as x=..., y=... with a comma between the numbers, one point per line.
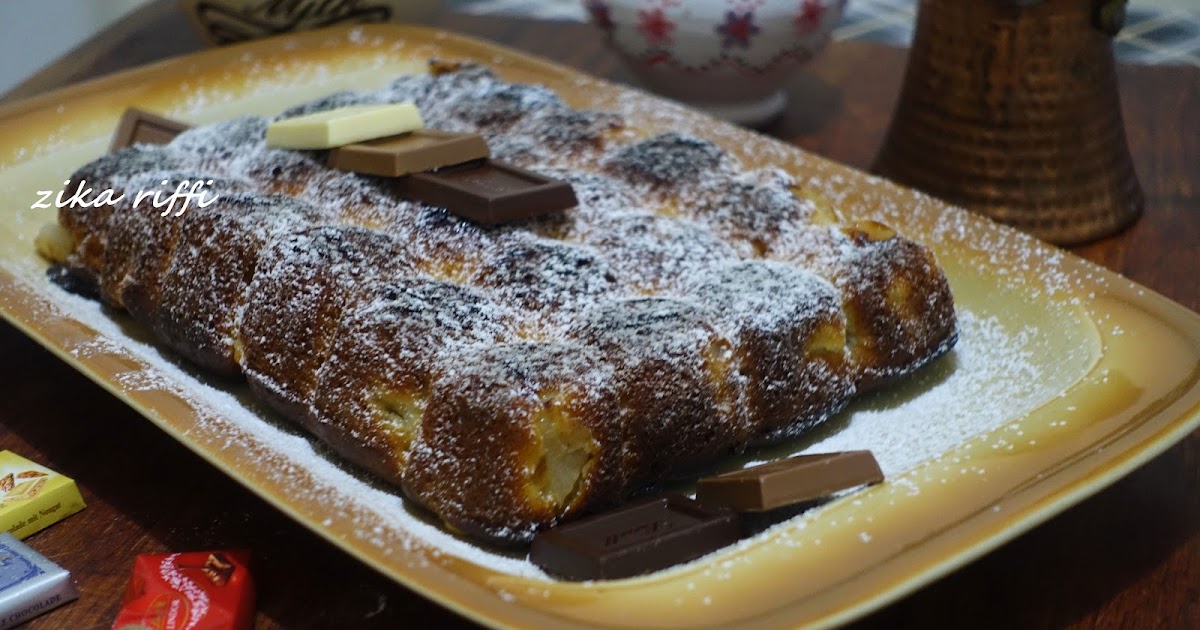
x=200, y=590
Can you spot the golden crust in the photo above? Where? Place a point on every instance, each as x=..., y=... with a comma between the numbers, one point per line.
x=508, y=378
x=312, y=275
x=518, y=425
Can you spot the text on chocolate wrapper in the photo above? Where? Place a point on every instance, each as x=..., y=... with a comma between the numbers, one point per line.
x=185, y=194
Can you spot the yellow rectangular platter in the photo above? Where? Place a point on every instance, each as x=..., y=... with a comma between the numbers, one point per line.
x=1067, y=375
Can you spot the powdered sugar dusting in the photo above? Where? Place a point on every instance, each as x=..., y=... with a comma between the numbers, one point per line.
x=228, y=413
x=625, y=196
x=948, y=405
x=991, y=376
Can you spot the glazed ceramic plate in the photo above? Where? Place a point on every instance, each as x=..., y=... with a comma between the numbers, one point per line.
x=1066, y=376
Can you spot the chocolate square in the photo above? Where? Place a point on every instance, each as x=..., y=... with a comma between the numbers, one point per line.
x=138, y=126
x=635, y=539
x=789, y=481
x=490, y=192
x=407, y=153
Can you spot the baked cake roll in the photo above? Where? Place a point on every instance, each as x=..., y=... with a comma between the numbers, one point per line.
x=676, y=377
x=384, y=353
x=518, y=436
x=141, y=239
x=898, y=305
x=756, y=212
x=220, y=146
x=649, y=388
x=88, y=225
x=510, y=377
x=790, y=334
x=672, y=170
x=651, y=254
x=550, y=281
x=312, y=276
x=204, y=284
x=440, y=244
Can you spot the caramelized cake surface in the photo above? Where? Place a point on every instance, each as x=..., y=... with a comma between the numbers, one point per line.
x=507, y=378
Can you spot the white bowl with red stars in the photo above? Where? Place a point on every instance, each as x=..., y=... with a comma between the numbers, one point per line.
x=729, y=57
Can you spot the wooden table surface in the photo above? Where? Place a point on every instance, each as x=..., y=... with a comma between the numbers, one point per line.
x=1128, y=557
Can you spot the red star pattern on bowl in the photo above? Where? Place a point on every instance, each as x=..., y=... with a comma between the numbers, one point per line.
x=655, y=25
x=728, y=56
x=808, y=18
x=737, y=29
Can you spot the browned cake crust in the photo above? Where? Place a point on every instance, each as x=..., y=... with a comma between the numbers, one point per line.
x=507, y=378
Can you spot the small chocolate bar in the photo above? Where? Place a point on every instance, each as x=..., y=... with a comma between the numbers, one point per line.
x=344, y=125
x=789, y=481
x=29, y=583
x=34, y=496
x=635, y=539
x=138, y=126
x=489, y=192
x=404, y=154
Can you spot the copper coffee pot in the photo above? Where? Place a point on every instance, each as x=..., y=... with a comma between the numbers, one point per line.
x=1010, y=108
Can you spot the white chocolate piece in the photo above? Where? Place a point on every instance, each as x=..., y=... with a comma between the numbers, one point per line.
x=345, y=125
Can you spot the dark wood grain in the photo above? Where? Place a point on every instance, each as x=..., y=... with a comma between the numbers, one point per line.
x=1128, y=557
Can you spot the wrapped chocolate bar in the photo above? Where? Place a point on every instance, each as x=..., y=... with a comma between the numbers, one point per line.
x=201, y=590
x=29, y=583
x=33, y=497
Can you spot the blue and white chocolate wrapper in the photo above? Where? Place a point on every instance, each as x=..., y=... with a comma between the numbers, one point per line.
x=29, y=583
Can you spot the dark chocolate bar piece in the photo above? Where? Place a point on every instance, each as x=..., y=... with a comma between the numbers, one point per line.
x=635, y=539
x=489, y=192
x=789, y=481
x=413, y=152
x=138, y=126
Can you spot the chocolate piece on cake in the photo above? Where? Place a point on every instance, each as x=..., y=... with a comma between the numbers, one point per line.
x=138, y=126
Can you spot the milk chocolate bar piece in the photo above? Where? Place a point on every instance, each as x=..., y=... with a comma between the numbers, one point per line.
x=636, y=539
x=420, y=150
x=489, y=191
x=140, y=126
x=789, y=481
